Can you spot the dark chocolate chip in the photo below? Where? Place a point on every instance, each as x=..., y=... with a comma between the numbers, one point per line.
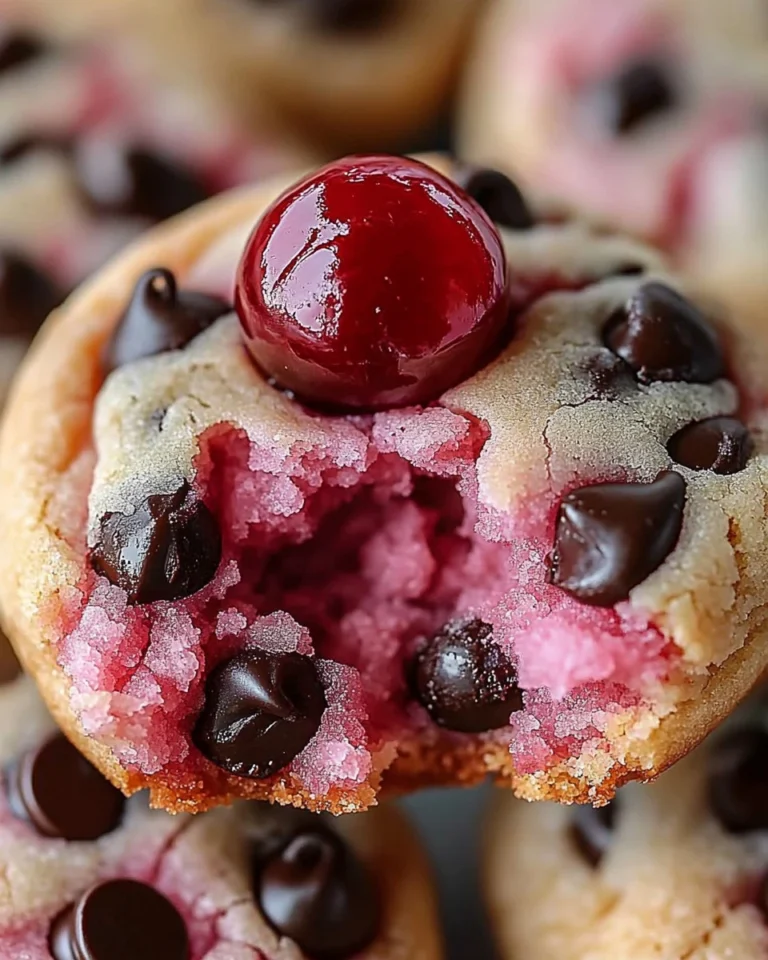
x=316, y=892
x=27, y=296
x=738, y=780
x=159, y=317
x=17, y=49
x=611, y=536
x=261, y=710
x=343, y=16
x=129, y=181
x=639, y=92
x=663, y=336
x=10, y=668
x=120, y=920
x=22, y=146
x=721, y=444
x=497, y=195
x=465, y=681
x=167, y=549
x=58, y=791
x=592, y=830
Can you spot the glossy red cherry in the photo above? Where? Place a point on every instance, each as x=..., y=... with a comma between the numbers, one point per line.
x=376, y=282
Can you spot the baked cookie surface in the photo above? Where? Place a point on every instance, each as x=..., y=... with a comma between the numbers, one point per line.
x=553, y=571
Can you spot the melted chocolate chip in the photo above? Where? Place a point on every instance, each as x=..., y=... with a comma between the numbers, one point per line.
x=120, y=920
x=27, y=296
x=592, y=830
x=128, y=181
x=58, y=791
x=316, y=892
x=16, y=49
x=167, y=549
x=497, y=195
x=261, y=710
x=738, y=780
x=663, y=336
x=638, y=93
x=720, y=444
x=160, y=317
x=22, y=146
x=465, y=681
x=344, y=15
x=611, y=536
x=10, y=668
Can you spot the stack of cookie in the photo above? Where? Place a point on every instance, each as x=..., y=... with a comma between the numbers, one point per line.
x=385, y=476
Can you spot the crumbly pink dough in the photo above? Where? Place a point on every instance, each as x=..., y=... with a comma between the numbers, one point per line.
x=370, y=543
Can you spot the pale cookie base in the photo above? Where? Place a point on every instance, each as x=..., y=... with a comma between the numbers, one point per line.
x=669, y=887
x=50, y=425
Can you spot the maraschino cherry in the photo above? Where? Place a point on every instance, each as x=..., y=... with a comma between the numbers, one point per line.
x=374, y=283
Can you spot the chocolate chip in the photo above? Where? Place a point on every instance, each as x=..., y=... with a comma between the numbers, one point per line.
x=738, y=780
x=663, y=336
x=17, y=49
x=159, y=317
x=167, y=549
x=128, y=181
x=316, y=892
x=58, y=791
x=592, y=830
x=497, y=195
x=261, y=710
x=22, y=146
x=720, y=444
x=27, y=296
x=345, y=15
x=611, y=536
x=120, y=920
x=10, y=668
x=639, y=92
x=465, y=680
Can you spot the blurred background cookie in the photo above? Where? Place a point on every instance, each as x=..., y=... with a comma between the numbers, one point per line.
x=649, y=116
x=676, y=870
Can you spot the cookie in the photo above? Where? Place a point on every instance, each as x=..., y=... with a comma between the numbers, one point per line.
x=92, y=151
x=447, y=499
x=87, y=874
x=672, y=870
x=651, y=120
x=348, y=74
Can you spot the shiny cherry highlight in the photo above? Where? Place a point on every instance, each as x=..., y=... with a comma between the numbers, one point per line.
x=374, y=283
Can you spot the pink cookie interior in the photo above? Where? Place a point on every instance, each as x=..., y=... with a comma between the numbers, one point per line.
x=356, y=550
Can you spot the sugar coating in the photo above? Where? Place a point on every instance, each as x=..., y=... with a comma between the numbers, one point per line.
x=109, y=92
x=445, y=512
x=672, y=884
x=204, y=865
x=690, y=179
